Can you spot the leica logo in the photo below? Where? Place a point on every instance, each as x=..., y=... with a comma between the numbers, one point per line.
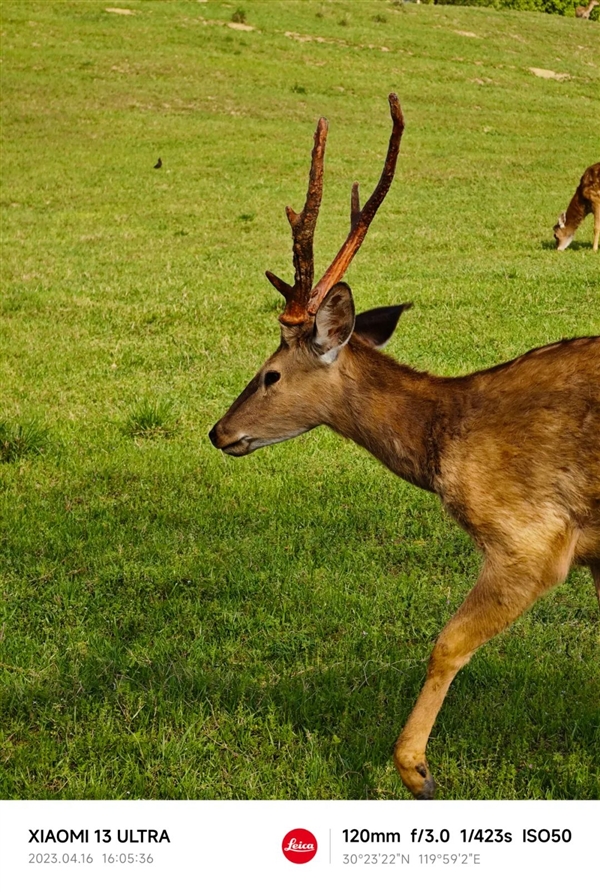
x=294, y=846
x=299, y=846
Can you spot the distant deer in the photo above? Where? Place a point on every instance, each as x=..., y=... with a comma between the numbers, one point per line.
x=585, y=201
x=583, y=12
x=513, y=451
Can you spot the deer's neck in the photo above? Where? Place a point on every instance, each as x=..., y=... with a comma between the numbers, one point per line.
x=575, y=213
x=394, y=412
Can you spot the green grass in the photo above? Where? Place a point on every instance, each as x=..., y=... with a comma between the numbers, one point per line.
x=21, y=439
x=179, y=624
x=151, y=418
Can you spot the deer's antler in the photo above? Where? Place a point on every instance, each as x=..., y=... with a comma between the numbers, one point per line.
x=360, y=220
x=301, y=301
x=303, y=230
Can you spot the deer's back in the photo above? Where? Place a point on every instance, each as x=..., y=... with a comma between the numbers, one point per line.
x=589, y=185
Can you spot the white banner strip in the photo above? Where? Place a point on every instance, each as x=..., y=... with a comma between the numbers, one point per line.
x=425, y=846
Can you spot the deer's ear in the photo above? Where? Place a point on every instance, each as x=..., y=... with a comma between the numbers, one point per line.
x=334, y=322
x=375, y=327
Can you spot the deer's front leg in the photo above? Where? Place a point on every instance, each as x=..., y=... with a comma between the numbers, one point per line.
x=500, y=595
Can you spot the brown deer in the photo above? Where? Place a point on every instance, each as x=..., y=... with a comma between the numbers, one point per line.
x=585, y=201
x=583, y=12
x=513, y=451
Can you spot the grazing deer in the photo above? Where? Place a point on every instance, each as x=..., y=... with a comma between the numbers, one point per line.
x=585, y=201
x=583, y=12
x=513, y=451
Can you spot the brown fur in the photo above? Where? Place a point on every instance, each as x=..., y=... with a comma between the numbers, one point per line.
x=585, y=201
x=583, y=12
x=513, y=452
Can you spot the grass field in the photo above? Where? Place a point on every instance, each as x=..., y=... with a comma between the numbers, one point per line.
x=180, y=624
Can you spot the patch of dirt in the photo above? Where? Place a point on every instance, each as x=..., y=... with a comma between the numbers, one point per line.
x=308, y=38
x=549, y=75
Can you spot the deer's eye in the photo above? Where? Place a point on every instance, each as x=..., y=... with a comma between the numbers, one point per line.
x=271, y=378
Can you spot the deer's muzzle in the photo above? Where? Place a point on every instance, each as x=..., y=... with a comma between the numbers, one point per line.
x=223, y=442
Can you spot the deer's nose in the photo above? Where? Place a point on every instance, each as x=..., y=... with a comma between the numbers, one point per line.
x=212, y=435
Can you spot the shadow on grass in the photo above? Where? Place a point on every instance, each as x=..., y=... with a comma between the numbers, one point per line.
x=531, y=722
x=139, y=680
x=511, y=717
x=550, y=245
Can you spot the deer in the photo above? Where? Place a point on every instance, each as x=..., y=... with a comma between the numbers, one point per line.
x=583, y=12
x=585, y=201
x=512, y=451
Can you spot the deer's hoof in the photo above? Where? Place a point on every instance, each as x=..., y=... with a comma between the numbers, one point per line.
x=428, y=790
x=415, y=775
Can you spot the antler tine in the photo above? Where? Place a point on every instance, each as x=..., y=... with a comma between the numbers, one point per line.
x=303, y=230
x=354, y=206
x=361, y=219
